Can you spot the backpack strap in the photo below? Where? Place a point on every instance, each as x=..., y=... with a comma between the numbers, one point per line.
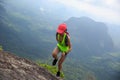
x=66, y=39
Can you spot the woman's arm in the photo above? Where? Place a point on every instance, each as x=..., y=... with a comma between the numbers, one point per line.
x=69, y=44
x=56, y=37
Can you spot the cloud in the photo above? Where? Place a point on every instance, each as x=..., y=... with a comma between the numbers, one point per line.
x=42, y=9
x=103, y=10
x=113, y=4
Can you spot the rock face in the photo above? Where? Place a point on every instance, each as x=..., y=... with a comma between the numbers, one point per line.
x=89, y=37
x=15, y=68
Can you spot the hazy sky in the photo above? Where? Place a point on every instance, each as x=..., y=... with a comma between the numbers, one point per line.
x=100, y=10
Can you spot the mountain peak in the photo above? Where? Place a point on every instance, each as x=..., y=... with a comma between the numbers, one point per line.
x=83, y=19
x=15, y=68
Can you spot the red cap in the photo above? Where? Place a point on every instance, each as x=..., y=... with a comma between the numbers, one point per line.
x=61, y=28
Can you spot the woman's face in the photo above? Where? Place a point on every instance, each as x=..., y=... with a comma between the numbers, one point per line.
x=61, y=34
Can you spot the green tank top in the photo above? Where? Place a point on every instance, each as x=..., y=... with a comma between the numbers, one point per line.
x=61, y=45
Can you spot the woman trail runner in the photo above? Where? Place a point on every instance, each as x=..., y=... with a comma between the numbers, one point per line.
x=63, y=46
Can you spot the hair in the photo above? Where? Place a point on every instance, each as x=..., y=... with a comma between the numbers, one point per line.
x=66, y=30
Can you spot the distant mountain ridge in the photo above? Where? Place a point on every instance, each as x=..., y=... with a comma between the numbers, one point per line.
x=114, y=31
x=90, y=37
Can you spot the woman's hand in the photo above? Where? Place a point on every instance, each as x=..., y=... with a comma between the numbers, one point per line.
x=68, y=51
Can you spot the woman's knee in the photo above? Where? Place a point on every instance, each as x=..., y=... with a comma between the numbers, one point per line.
x=61, y=59
x=54, y=54
x=63, y=55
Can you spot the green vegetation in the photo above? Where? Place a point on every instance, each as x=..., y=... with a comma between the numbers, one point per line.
x=52, y=69
x=117, y=54
x=71, y=70
x=1, y=48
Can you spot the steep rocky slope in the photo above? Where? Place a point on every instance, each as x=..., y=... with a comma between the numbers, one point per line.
x=15, y=68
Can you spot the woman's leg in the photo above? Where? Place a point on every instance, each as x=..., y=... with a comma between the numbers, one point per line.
x=63, y=56
x=54, y=54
